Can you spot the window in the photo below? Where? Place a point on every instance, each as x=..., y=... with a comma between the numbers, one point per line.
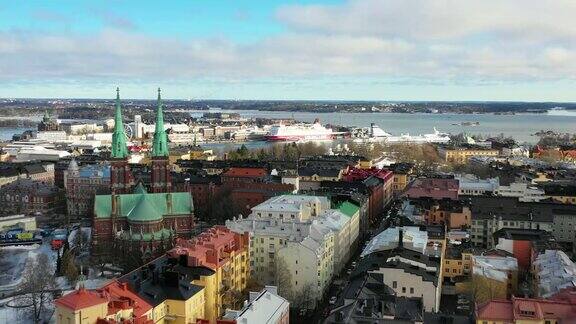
x=403, y=290
x=411, y=290
x=394, y=284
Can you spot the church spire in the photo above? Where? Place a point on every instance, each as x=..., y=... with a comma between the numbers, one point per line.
x=160, y=143
x=119, y=148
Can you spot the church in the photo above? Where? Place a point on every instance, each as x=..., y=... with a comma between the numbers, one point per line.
x=147, y=219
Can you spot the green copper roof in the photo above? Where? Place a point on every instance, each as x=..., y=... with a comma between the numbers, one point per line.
x=143, y=206
x=160, y=144
x=349, y=209
x=119, y=148
x=46, y=117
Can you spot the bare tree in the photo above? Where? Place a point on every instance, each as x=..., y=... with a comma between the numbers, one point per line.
x=36, y=287
x=304, y=299
x=81, y=240
x=283, y=279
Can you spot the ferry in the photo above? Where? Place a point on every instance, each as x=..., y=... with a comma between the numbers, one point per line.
x=375, y=133
x=300, y=132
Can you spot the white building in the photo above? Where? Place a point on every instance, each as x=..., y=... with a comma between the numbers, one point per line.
x=470, y=185
x=299, y=242
x=141, y=129
x=265, y=307
x=522, y=191
x=18, y=221
x=39, y=153
x=553, y=271
x=74, y=129
x=307, y=267
x=516, y=151
x=51, y=136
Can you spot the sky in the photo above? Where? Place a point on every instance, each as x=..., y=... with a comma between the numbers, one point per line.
x=479, y=50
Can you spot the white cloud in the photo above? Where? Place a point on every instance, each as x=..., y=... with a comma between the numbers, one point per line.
x=455, y=40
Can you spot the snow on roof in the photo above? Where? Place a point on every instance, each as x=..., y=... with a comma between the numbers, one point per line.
x=555, y=271
x=494, y=267
x=413, y=238
x=264, y=307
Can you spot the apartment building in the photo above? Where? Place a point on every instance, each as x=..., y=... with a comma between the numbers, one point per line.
x=298, y=239
x=490, y=214
x=223, y=252
x=160, y=296
x=469, y=185
x=460, y=155
x=265, y=307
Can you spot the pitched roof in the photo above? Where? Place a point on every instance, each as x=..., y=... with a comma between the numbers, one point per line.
x=347, y=208
x=143, y=206
x=80, y=299
x=495, y=310
x=118, y=293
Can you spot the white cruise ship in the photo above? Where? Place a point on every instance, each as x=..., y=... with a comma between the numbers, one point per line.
x=376, y=133
x=300, y=132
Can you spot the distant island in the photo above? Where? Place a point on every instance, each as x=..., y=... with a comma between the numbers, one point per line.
x=97, y=108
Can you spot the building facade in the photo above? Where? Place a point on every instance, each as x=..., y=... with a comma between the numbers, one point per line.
x=225, y=253
x=265, y=307
x=82, y=184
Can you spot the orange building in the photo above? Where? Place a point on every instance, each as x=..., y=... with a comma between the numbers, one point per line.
x=451, y=213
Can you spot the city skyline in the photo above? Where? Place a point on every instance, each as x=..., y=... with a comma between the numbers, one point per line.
x=412, y=50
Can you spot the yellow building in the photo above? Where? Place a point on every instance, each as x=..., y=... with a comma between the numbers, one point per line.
x=457, y=263
x=223, y=257
x=401, y=176
x=364, y=165
x=460, y=155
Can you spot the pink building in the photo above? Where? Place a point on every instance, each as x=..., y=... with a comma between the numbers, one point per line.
x=435, y=188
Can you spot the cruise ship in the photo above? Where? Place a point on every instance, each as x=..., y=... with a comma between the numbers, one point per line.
x=375, y=133
x=300, y=132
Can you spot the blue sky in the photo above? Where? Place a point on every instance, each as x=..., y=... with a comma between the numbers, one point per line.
x=523, y=50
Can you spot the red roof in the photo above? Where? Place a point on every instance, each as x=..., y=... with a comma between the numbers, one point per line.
x=496, y=310
x=116, y=295
x=80, y=299
x=211, y=248
x=355, y=174
x=120, y=297
x=527, y=309
x=246, y=172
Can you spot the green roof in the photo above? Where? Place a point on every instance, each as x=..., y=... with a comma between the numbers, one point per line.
x=145, y=207
x=349, y=209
